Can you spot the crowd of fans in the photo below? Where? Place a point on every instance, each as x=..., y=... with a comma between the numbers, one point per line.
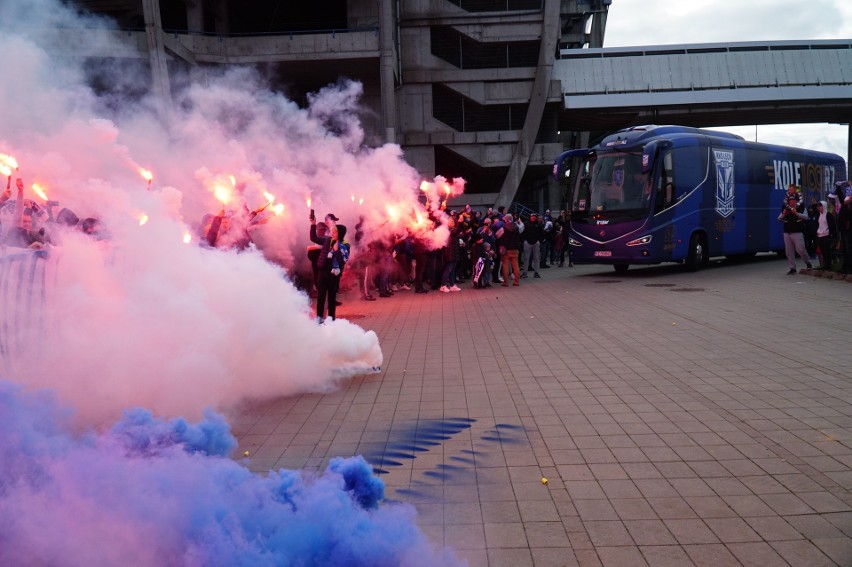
x=820, y=231
x=26, y=224
x=483, y=249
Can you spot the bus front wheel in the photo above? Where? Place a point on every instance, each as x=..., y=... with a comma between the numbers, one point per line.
x=621, y=268
x=697, y=256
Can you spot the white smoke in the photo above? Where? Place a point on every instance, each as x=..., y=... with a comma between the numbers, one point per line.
x=142, y=318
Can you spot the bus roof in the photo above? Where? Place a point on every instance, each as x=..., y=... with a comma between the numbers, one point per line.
x=637, y=136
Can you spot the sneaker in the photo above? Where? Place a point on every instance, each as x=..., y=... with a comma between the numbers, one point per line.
x=455, y=288
x=368, y=298
x=338, y=303
x=524, y=276
x=536, y=275
x=810, y=267
x=421, y=291
x=406, y=287
x=500, y=279
x=444, y=289
x=791, y=272
x=385, y=294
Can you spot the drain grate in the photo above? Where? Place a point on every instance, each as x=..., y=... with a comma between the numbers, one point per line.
x=608, y=281
x=687, y=289
x=660, y=285
x=354, y=316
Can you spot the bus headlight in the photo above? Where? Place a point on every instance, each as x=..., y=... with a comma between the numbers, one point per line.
x=640, y=241
x=572, y=242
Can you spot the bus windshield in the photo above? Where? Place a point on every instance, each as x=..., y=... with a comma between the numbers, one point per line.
x=612, y=184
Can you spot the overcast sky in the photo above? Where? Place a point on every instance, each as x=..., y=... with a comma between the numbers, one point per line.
x=658, y=22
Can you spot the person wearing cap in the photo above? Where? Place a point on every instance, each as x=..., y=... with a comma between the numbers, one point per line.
x=330, y=219
x=793, y=217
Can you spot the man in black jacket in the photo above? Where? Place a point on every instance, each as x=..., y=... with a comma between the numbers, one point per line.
x=532, y=236
x=844, y=226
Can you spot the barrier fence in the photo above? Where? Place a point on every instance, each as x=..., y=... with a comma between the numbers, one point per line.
x=23, y=292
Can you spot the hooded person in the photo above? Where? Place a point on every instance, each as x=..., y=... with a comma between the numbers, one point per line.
x=826, y=234
x=330, y=264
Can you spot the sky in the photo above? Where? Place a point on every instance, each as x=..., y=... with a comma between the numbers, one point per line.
x=666, y=22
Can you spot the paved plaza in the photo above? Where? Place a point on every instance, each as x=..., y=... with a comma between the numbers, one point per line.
x=678, y=418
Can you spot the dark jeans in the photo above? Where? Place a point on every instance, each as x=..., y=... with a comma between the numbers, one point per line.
x=824, y=248
x=846, y=240
x=327, y=286
x=449, y=276
x=420, y=269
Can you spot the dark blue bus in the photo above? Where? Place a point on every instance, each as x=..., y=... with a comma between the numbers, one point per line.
x=652, y=194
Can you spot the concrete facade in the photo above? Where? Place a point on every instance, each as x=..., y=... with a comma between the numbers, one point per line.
x=463, y=86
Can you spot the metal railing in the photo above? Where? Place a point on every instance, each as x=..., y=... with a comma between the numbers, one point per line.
x=22, y=299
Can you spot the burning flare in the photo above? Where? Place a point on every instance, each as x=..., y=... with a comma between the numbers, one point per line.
x=143, y=218
x=187, y=237
x=393, y=213
x=9, y=162
x=146, y=174
x=39, y=190
x=222, y=194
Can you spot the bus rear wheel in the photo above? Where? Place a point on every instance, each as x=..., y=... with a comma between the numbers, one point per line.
x=697, y=257
x=621, y=268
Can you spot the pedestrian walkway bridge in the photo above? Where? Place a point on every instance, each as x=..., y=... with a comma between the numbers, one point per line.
x=707, y=84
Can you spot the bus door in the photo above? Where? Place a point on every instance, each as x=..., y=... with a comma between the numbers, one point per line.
x=677, y=208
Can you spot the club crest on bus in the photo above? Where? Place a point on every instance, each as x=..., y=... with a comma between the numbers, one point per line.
x=724, y=182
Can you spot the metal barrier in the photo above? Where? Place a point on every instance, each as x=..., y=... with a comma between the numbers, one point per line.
x=22, y=300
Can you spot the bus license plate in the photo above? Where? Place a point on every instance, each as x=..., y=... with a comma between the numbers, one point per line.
x=605, y=253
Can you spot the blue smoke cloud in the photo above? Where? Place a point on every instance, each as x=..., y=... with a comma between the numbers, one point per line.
x=150, y=492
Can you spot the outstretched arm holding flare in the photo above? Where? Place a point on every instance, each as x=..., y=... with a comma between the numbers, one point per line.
x=19, y=203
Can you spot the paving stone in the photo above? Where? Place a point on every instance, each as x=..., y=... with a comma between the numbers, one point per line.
x=704, y=442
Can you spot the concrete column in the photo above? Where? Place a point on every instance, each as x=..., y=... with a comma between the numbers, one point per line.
x=387, y=49
x=596, y=34
x=535, y=110
x=157, y=55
